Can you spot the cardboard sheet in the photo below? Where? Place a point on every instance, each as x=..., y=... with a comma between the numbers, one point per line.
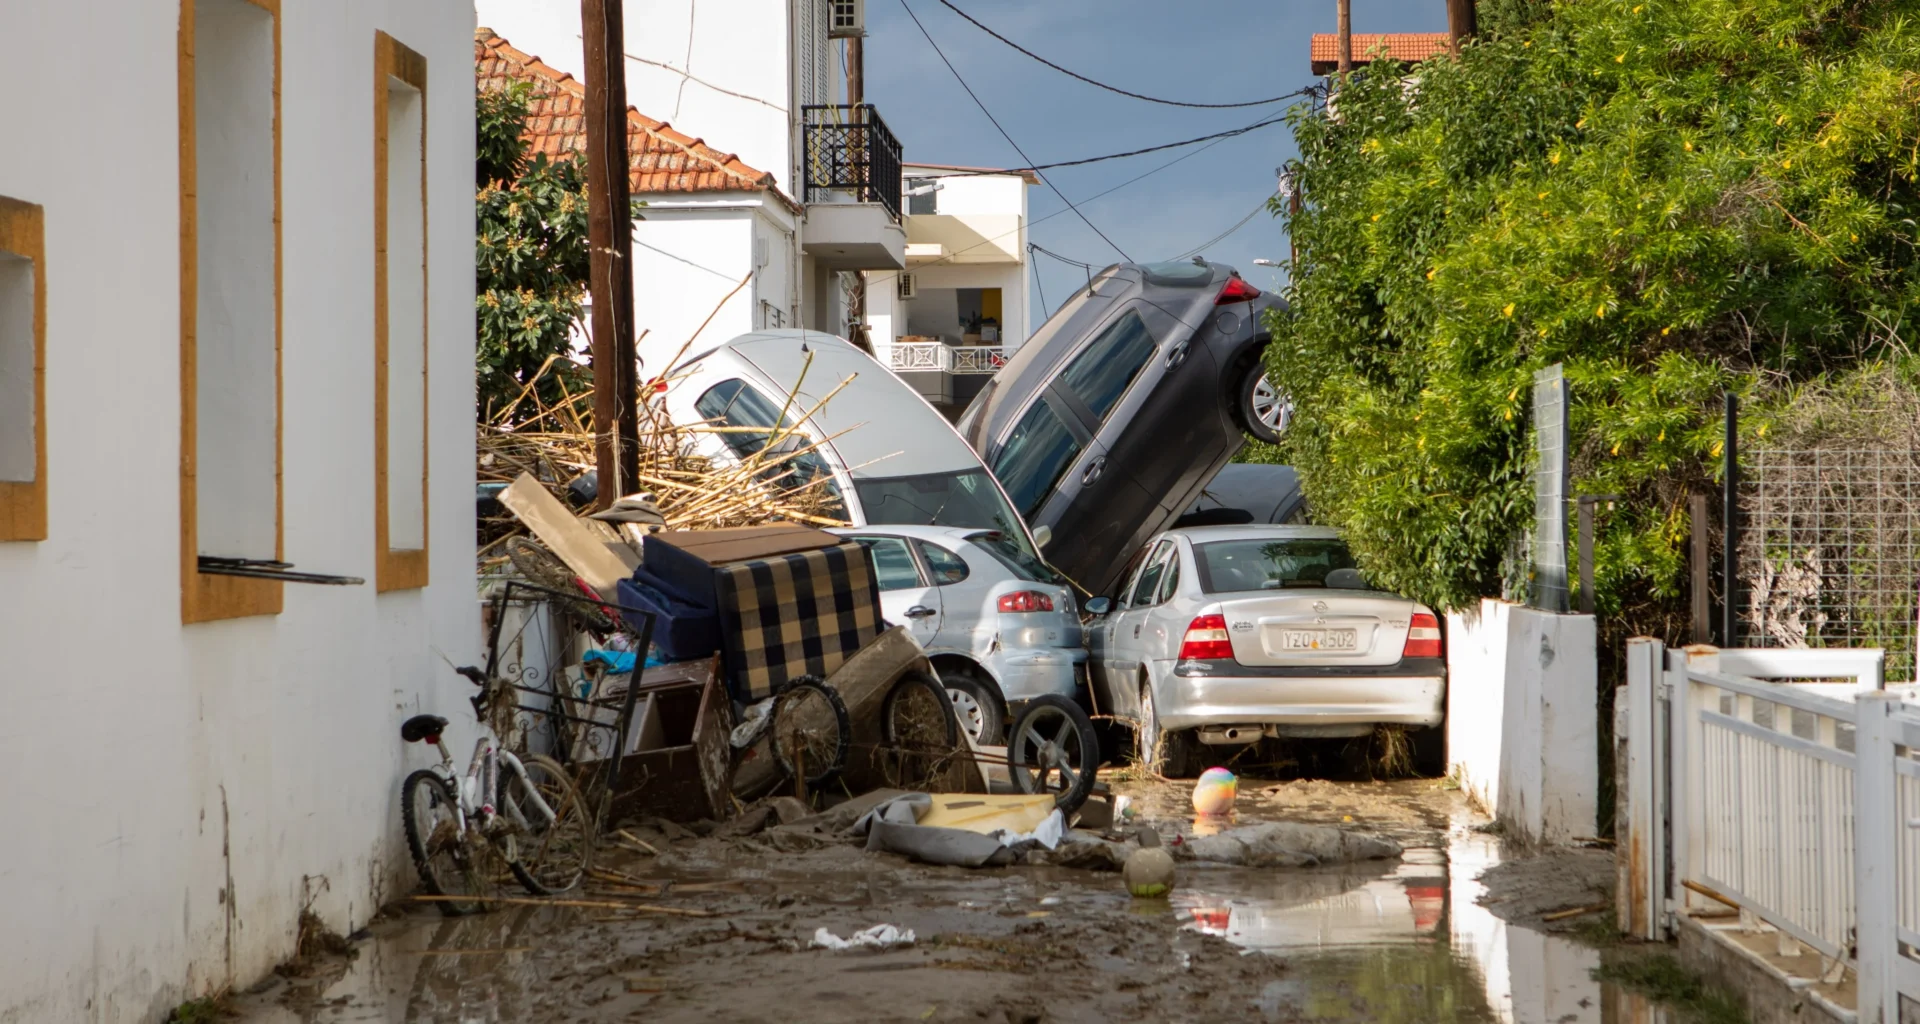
x=582, y=544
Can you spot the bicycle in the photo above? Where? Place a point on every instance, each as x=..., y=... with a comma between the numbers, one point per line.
x=466, y=832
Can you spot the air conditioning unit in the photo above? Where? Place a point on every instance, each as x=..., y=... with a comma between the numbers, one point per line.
x=904, y=288
x=847, y=19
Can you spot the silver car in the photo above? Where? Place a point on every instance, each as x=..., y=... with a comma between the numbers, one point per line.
x=999, y=626
x=1225, y=635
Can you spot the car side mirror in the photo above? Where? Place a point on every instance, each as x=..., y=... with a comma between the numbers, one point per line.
x=1042, y=535
x=1098, y=605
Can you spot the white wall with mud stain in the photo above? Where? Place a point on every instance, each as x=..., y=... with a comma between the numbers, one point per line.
x=176, y=793
x=1522, y=717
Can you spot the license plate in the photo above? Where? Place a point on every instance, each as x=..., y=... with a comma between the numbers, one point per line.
x=1319, y=639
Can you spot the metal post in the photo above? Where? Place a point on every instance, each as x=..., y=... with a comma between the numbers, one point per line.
x=856, y=95
x=616, y=385
x=1876, y=821
x=1585, y=505
x=1702, y=554
x=1730, y=520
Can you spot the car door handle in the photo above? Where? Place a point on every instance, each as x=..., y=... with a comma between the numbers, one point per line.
x=1094, y=469
x=1177, y=356
x=1136, y=630
x=920, y=611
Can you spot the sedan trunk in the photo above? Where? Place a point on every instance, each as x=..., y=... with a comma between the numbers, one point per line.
x=1316, y=627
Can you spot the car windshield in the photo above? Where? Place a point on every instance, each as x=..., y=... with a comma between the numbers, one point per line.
x=751, y=420
x=1018, y=560
x=1230, y=566
x=964, y=498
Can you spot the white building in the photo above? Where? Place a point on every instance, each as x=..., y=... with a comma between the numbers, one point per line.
x=236, y=322
x=782, y=186
x=961, y=305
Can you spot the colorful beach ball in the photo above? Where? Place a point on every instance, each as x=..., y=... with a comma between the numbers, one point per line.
x=1215, y=791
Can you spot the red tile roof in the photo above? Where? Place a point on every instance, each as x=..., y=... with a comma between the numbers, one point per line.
x=664, y=160
x=1412, y=47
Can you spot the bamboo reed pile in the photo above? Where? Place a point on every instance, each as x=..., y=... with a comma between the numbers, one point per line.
x=553, y=440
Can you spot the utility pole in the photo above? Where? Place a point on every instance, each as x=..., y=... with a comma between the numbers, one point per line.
x=616, y=386
x=1461, y=24
x=1345, y=8
x=856, y=95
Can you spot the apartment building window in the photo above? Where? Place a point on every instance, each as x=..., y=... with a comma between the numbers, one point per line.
x=230, y=498
x=400, y=315
x=23, y=361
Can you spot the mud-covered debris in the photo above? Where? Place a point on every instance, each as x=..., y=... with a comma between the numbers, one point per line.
x=1286, y=844
x=880, y=936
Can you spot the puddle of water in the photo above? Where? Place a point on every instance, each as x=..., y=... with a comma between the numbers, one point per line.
x=1402, y=944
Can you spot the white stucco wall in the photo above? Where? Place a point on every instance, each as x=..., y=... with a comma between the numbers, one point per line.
x=1521, y=717
x=717, y=73
x=688, y=255
x=178, y=791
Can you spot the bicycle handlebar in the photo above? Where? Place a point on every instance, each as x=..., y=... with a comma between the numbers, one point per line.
x=474, y=676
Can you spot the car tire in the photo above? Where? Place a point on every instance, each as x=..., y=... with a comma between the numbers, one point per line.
x=1262, y=409
x=1430, y=752
x=1168, y=754
x=976, y=705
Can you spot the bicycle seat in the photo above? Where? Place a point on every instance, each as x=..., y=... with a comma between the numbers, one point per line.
x=422, y=727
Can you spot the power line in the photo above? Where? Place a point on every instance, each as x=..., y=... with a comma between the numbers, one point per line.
x=1035, y=267
x=1228, y=134
x=1103, y=85
x=1241, y=223
x=1003, y=132
x=1057, y=256
x=1150, y=172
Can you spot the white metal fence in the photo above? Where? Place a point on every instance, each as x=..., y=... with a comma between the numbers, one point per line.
x=933, y=355
x=1783, y=783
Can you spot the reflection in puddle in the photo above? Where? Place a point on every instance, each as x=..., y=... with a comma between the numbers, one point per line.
x=1402, y=944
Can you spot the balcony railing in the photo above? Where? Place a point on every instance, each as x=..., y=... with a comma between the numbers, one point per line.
x=850, y=151
x=932, y=355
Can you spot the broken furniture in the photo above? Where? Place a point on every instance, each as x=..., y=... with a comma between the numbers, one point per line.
x=677, y=763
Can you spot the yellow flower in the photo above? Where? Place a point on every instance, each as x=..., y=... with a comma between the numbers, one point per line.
x=1622, y=59
x=1582, y=123
x=1637, y=7
x=1853, y=237
x=1782, y=119
x=1542, y=195
x=1508, y=312
x=1509, y=413
x=1526, y=44
x=1715, y=450
x=1762, y=432
x=1664, y=331
x=1515, y=393
x=1663, y=434
x=1600, y=312
x=1376, y=216
x=1616, y=448
x=1432, y=272
x=1554, y=159
x=1786, y=164
x=1689, y=145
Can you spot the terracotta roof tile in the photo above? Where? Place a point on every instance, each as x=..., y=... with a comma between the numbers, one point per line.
x=663, y=160
x=1412, y=47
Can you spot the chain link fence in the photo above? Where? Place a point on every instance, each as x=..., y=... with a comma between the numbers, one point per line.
x=1827, y=554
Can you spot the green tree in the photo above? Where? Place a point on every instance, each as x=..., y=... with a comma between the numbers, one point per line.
x=1672, y=197
x=531, y=260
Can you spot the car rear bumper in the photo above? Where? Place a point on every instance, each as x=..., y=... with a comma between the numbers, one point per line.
x=1026, y=673
x=1194, y=701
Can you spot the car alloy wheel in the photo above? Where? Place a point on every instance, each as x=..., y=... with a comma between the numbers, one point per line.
x=1270, y=408
x=1146, y=737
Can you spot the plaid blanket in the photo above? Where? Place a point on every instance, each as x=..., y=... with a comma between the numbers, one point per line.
x=795, y=615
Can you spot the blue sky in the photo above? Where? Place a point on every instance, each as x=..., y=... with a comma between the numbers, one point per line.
x=1208, y=51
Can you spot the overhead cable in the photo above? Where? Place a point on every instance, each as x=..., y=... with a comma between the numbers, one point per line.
x=1241, y=223
x=1003, y=132
x=1228, y=134
x=1110, y=88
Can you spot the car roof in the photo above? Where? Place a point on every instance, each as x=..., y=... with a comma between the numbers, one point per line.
x=1255, y=531
x=877, y=424
x=953, y=534
x=1260, y=489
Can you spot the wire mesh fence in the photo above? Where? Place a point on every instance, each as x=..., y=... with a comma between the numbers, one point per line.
x=1549, y=546
x=1827, y=552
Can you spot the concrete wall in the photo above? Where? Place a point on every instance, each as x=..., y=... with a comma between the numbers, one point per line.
x=691, y=252
x=178, y=792
x=1522, y=719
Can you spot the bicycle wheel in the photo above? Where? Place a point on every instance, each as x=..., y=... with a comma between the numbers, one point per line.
x=544, y=569
x=811, y=729
x=555, y=842
x=920, y=731
x=1053, y=750
x=438, y=843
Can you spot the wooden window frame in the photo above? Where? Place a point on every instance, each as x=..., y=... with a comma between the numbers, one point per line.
x=397, y=569
x=206, y=597
x=23, y=504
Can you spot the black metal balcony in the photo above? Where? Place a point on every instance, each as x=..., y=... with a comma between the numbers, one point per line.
x=850, y=151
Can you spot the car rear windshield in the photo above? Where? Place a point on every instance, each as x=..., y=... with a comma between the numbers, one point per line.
x=1231, y=566
x=1185, y=274
x=1022, y=563
x=964, y=498
x=752, y=421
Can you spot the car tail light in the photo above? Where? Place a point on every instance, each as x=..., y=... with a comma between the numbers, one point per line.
x=1237, y=290
x=1423, y=639
x=1026, y=601
x=1207, y=640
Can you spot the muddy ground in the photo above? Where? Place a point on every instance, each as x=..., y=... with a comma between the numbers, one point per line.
x=1013, y=944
